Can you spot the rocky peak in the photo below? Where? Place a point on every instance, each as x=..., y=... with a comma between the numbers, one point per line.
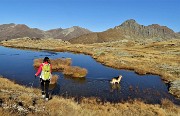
x=21, y=26
x=134, y=30
x=76, y=27
x=129, y=23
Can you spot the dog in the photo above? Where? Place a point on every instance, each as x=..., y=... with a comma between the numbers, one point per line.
x=116, y=80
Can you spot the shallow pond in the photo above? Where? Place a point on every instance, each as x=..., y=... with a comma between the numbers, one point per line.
x=17, y=65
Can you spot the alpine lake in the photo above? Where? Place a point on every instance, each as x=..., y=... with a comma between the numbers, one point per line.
x=17, y=65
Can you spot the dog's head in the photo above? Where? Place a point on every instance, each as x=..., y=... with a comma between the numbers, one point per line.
x=120, y=76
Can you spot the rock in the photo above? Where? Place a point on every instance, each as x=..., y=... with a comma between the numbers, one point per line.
x=175, y=88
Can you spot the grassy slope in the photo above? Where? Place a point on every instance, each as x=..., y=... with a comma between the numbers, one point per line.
x=13, y=94
x=160, y=58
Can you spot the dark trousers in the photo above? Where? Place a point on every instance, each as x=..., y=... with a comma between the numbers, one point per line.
x=45, y=87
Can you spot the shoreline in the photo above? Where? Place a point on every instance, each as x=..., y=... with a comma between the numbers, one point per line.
x=142, y=59
x=139, y=72
x=21, y=100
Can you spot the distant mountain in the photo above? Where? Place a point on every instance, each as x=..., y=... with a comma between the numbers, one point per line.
x=130, y=29
x=12, y=31
x=68, y=33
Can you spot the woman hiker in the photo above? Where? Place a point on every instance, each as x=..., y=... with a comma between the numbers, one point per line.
x=45, y=69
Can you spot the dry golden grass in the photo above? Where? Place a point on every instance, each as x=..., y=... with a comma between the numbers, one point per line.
x=75, y=71
x=39, y=44
x=12, y=93
x=37, y=62
x=148, y=57
x=63, y=64
x=5, y=112
x=57, y=64
x=54, y=79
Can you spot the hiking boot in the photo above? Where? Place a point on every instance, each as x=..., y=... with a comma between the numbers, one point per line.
x=43, y=96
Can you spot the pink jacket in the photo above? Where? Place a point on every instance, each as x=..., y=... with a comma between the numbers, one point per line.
x=40, y=68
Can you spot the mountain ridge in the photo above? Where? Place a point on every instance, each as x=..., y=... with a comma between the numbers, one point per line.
x=130, y=30
x=13, y=31
x=68, y=33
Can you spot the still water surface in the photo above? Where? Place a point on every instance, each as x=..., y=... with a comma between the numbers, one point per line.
x=17, y=65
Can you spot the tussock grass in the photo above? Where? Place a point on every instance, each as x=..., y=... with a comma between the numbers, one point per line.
x=64, y=65
x=146, y=57
x=39, y=43
x=167, y=104
x=54, y=79
x=5, y=112
x=75, y=71
x=61, y=63
x=57, y=64
x=37, y=62
x=85, y=107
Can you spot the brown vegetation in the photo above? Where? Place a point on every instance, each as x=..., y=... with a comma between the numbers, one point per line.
x=20, y=100
x=146, y=57
x=64, y=65
x=57, y=64
x=54, y=79
x=75, y=71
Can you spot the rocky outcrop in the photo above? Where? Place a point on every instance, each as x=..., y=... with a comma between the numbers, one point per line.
x=135, y=30
x=175, y=88
x=130, y=30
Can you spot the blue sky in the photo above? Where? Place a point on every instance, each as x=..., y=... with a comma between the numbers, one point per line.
x=95, y=15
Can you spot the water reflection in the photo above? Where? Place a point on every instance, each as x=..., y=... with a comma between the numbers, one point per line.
x=52, y=86
x=115, y=87
x=75, y=79
x=149, y=88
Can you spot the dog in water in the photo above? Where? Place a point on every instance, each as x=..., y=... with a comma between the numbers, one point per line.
x=116, y=80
